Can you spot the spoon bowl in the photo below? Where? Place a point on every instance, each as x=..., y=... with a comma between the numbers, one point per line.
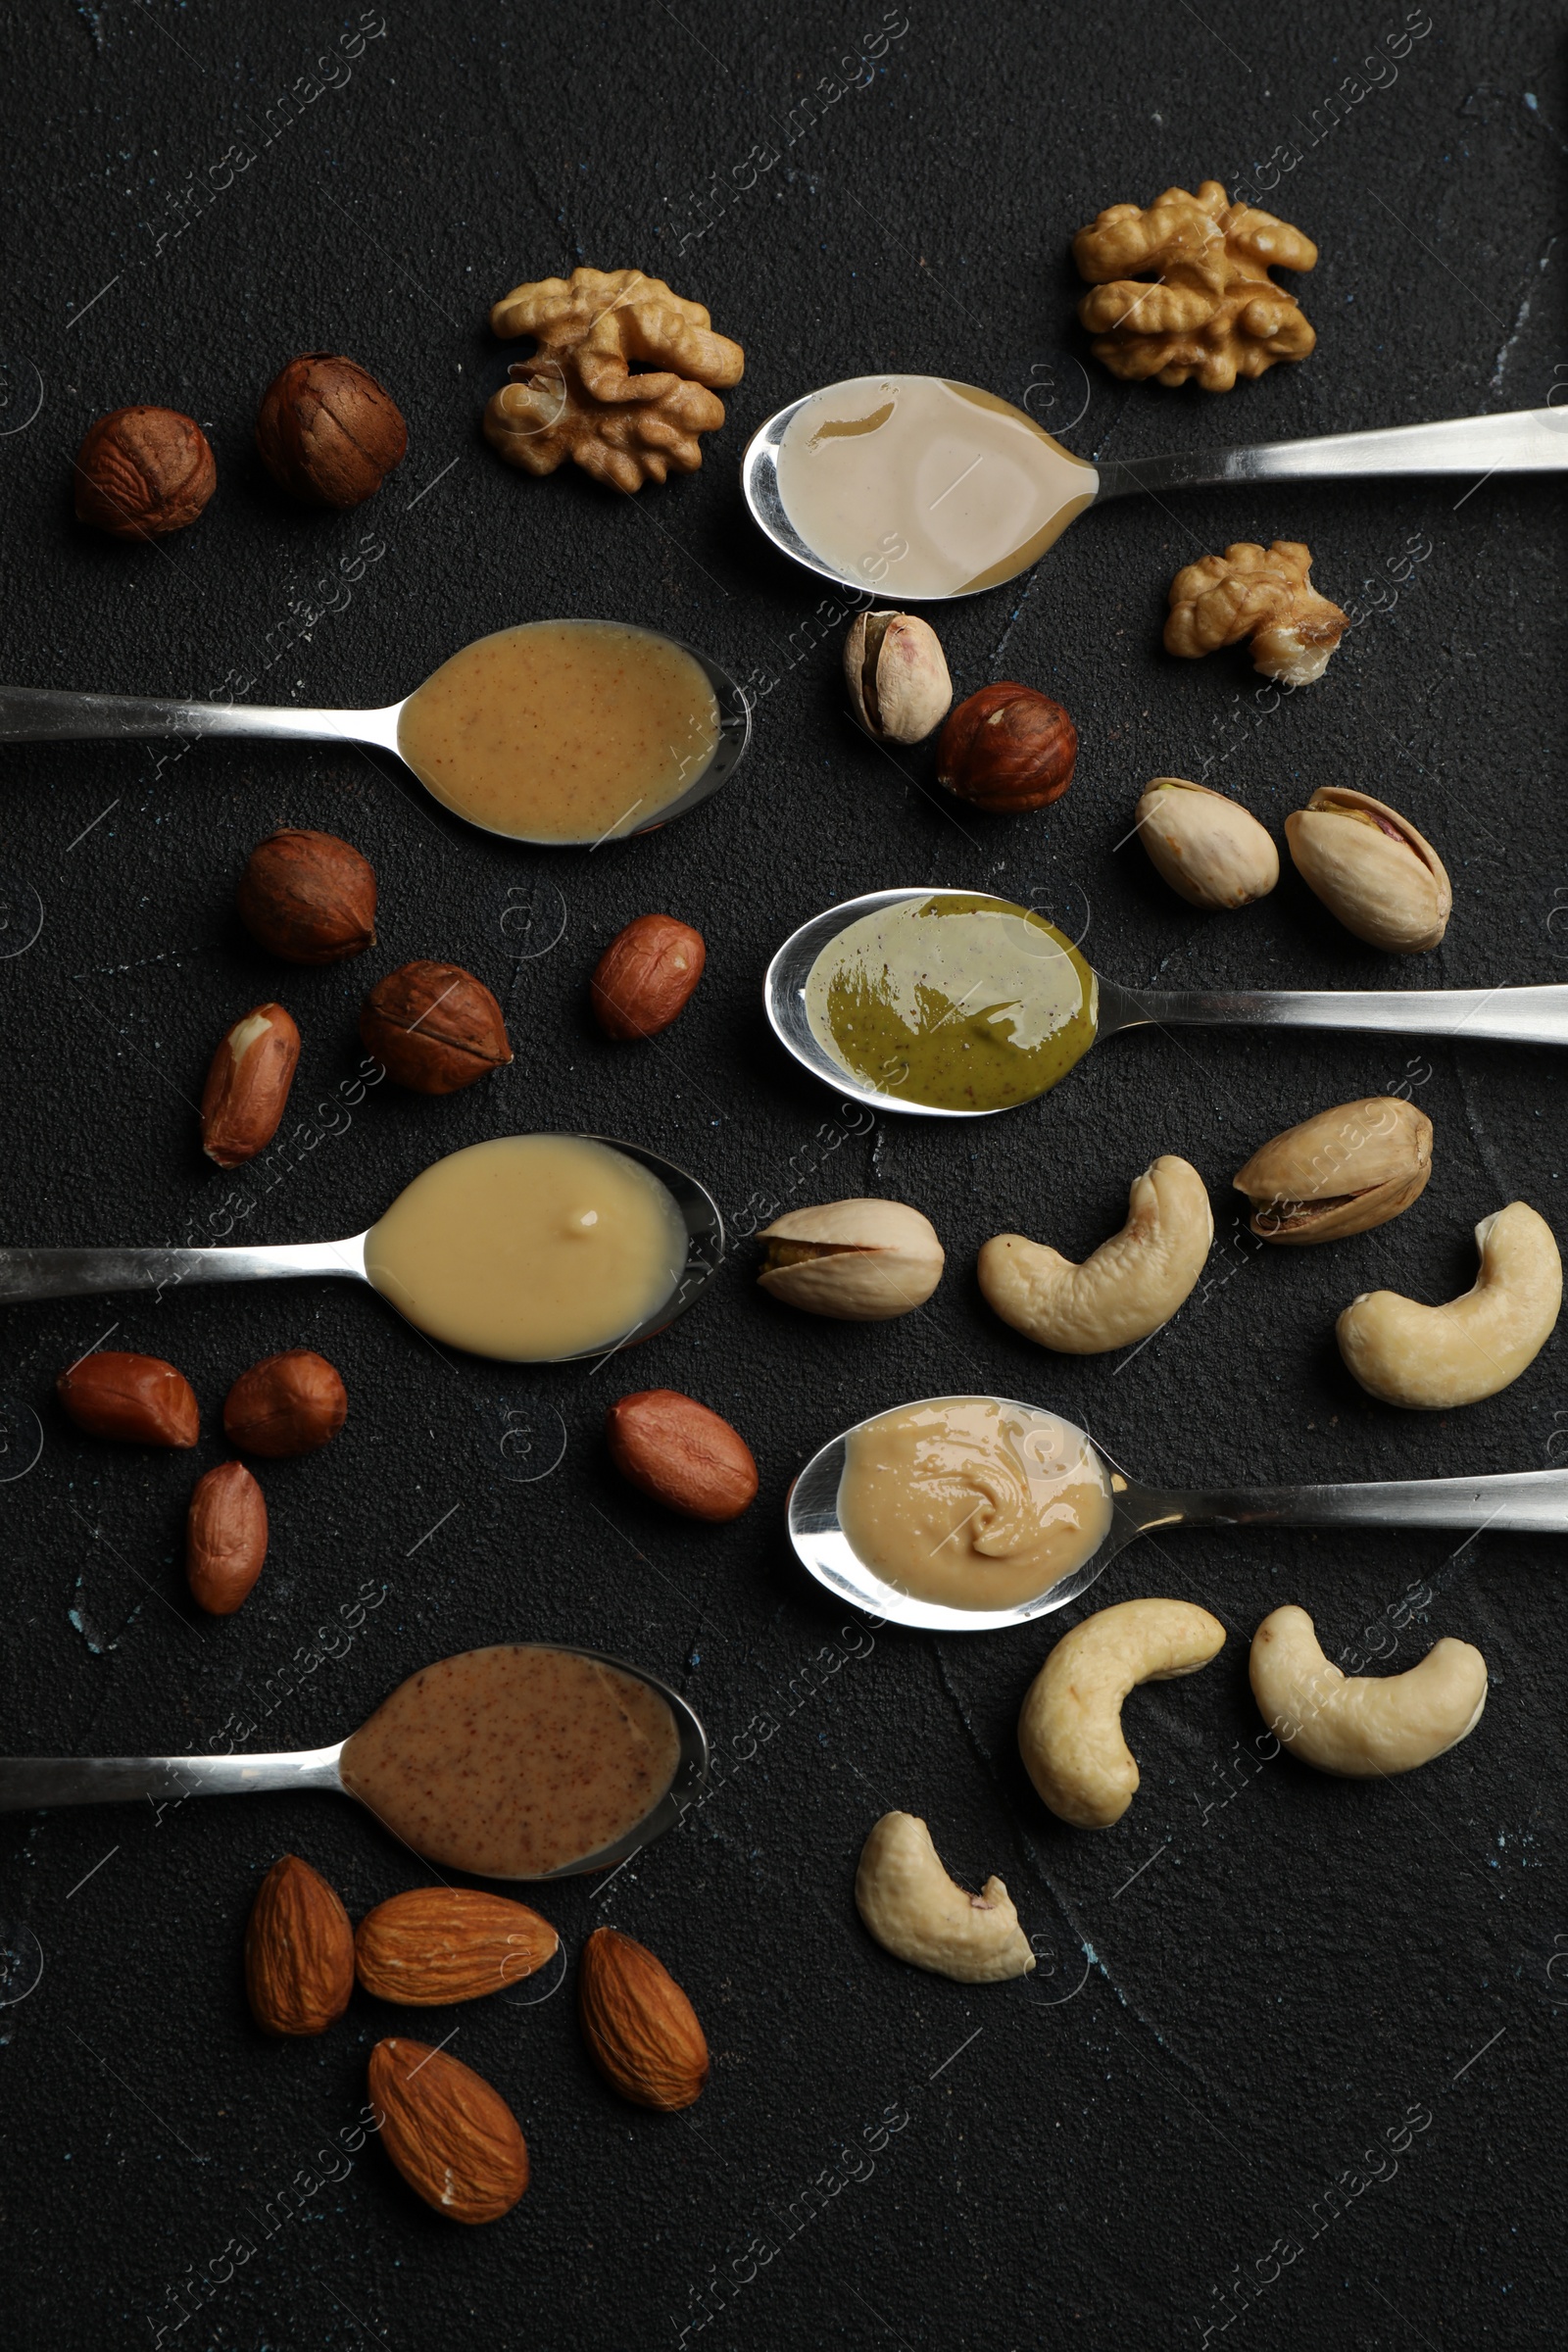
x=1526, y=1501
x=38, y=715
x=35, y=1781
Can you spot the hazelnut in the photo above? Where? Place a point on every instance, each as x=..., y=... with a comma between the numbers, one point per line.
x=646, y=977
x=1007, y=749
x=286, y=1405
x=327, y=433
x=897, y=674
x=142, y=472
x=308, y=897
x=434, y=1027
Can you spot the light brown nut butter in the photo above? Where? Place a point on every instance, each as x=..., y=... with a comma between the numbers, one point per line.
x=286, y=1405
x=1263, y=594
x=137, y=1399
x=646, y=977
x=449, y=1944
x=143, y=472
x=308, y=896
x=682, y=1455
x=247, y=1085
x=451, y=2136
x=226, y=1537
x=641, y=2029
x=1343, y=1171
x=434, y=1028
x=1372, y=869
x=897, y=674
x=1213, y=853
x=1431, y=1358
x=856, y=1262
x=299, y=1951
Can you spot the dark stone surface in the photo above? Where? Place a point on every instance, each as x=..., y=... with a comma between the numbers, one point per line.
x=1207, y=2049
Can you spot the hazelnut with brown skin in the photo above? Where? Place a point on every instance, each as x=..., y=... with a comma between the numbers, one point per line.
x=1007, y=748
x=143, y=472
x=308, y=896
x=286, y=1405
x=326, y=431
x=434, y=1027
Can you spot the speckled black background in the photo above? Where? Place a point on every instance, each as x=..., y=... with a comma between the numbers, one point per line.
x=1135, y=2144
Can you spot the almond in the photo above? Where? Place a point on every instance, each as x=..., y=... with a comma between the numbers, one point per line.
x=646, y=977
x=299, y=1951
x=682, y=1455
x=449, y=1944
x=138, y=1398
x=226, y=1539
x=247, y=1085
x=641, y=2031
x=453, y=2140
x=286, y=1405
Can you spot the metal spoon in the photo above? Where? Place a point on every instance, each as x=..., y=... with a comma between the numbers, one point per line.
x=1519, y=441
x=39, y=715
x=1520, y=1015
x=27, y=1274
x=1518, y=1502
x=28, y=1783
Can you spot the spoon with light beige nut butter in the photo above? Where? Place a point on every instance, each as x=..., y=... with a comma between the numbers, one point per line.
x=555, y=732
x=521, y=1761
x=531, y=1249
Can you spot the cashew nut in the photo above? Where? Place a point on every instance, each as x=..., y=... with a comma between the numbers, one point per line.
x=1366, y=1725
x=913, y=1908
x=1131, y=1285
x=1069, y=1732
x=1431, y=1357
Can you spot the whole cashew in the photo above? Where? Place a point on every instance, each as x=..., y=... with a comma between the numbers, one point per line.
x=1431, y=1357
x=1362, y=1726
x=913, y=1908
x=1069, y=1732
x=1131, y=1285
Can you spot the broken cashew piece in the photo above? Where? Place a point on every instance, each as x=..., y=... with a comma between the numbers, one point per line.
x=913, y=1909
x=1127, y=1289
x=1070, y=1730
x=1431, y=1357
x=1366, y=1725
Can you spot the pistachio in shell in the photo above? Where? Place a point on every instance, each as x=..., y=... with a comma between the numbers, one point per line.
x=1371, y=868
x=1343, y=1172
x=897, y=674
x=857, y=1261
x=1212, y=851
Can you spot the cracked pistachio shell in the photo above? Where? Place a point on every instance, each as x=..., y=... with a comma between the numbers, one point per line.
x=1342, y=1172
x=897, y=674
x=1212, y=851
x=1371, y=868
x=858, y=1261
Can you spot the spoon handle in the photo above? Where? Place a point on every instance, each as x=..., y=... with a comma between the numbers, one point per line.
x=1520, y=441
x=1535, y=1016
x=40, y=714
x=27, y=1783
x=81, y=1273
x=1517, y=1503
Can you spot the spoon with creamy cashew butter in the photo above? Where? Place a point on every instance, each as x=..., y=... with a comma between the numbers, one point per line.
x=521, y=1761
x=954, y=1005
x=966, y=1514
x=531, y=1249
x=555, y=732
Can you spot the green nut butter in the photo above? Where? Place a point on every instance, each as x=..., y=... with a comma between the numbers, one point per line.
x=962, y=1002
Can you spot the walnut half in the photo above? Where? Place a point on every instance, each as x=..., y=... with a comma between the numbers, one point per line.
x=577, y=397
x=1263, y=594
x=1212, y=310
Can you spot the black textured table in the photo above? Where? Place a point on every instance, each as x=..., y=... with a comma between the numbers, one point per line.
x=1289, y=2066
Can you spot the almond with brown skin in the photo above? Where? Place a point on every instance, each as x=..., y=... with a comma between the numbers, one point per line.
x=434, y=1027
x=453, y=2140
x=308, y=896
x=299, y=1951
x=641, y=2031
x=286, y=1405
x=247, y=1085
x=226, y=1537
x=449, y=1944
x=682, y=1455
x=138, y=1398
x=646, y=977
